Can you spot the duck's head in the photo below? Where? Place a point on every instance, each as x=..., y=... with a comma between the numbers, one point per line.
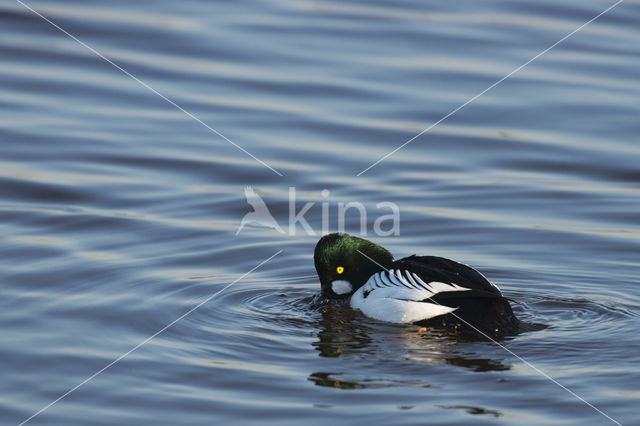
x=344, y=263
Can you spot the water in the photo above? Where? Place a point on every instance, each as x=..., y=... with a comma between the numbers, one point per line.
x=118, y=212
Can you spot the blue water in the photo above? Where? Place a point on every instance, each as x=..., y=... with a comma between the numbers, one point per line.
x=119, y=212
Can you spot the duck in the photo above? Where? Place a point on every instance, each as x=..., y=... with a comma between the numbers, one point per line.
x=423, y=290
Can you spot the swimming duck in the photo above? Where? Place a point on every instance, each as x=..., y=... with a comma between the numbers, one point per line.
x=426, y=290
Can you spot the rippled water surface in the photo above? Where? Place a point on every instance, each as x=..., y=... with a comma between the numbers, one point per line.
x=119, y=212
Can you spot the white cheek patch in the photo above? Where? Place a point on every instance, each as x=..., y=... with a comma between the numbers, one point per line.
x=341, y=286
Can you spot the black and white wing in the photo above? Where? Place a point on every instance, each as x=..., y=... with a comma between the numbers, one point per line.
x=401, y=296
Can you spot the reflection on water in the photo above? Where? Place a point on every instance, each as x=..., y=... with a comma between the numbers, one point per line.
x=346, y=333
x=342, y=330
x=342, y=380
x=474, y=410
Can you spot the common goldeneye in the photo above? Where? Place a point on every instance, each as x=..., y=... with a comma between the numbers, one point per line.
x=427, y=290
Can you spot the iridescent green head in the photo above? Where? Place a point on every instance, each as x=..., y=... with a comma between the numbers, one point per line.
x=344, y=263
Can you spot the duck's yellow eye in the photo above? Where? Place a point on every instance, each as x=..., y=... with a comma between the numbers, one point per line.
x=339, y=269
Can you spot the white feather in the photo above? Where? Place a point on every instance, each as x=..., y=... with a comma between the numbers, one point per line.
x=395, y=296
x=341, y=286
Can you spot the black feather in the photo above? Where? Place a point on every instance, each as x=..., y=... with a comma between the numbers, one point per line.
x=482, y=308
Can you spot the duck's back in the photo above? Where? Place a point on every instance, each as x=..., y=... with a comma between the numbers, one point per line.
x=483, y=308
x=433, y=268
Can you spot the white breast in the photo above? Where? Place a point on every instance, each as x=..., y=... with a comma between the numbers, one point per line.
x=395, y=296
